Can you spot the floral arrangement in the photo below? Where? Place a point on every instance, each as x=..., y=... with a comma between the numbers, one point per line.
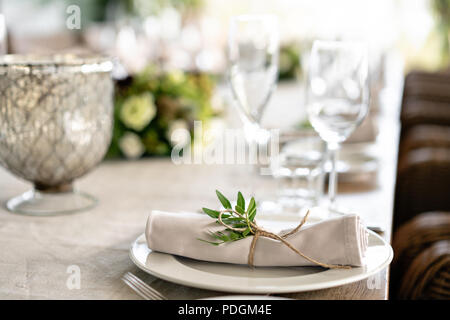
x=152, y=104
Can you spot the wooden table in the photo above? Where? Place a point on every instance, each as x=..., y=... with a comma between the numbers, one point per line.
x=38, y=254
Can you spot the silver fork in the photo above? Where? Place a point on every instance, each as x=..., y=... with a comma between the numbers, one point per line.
x=141, y=288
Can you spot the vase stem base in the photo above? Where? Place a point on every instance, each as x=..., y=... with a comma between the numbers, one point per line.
x=38, y=203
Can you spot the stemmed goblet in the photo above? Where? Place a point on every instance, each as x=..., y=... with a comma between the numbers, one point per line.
x=253, y=49
x=338, y=96
x=56, y=120
x=253, y=69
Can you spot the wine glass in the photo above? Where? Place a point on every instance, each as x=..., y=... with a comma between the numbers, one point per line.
x=253, y=68
x=338, y=96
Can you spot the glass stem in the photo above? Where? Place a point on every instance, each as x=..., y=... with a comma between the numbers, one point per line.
x=332, y=184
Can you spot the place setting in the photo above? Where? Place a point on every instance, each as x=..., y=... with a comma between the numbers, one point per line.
x=252, y=259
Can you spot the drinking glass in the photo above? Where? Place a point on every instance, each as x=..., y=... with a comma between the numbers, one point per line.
x=253, y=47
x=299, y=171
x=338, y=96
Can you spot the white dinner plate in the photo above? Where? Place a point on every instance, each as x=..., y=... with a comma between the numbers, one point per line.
x=243, y=279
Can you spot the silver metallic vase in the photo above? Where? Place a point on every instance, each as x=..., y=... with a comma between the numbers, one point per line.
x=56, y=118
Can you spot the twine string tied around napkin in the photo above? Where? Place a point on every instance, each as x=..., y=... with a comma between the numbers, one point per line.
x=260, y=232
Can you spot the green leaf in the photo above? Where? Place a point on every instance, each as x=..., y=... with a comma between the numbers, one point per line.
x=234, y=236
x=252, y=215
x=212, y=213
x=231, y=220
x=239, y=209
x=225, y=202
x=221, y=236
x=241, y=201
x=240, y=225
x=246, y=232
x=251, y=205
x=251, y=211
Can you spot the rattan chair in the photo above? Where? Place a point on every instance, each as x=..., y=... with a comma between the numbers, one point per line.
x=424, y=76
x=420, y=268
x=428, y=276
x=426, y=90
x=426, y=99
x=425, y=136
x=417, y=111
x=423, y=183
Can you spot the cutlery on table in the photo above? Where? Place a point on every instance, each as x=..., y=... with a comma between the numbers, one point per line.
x=141, y=288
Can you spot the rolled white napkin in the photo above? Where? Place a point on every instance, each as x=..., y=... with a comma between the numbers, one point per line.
x=341, y=240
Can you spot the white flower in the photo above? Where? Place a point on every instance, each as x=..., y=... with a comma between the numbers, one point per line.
x=137, y=111
x=131, y=146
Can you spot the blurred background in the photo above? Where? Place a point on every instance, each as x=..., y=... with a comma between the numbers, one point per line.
x=191, y=34
x=177, y=48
